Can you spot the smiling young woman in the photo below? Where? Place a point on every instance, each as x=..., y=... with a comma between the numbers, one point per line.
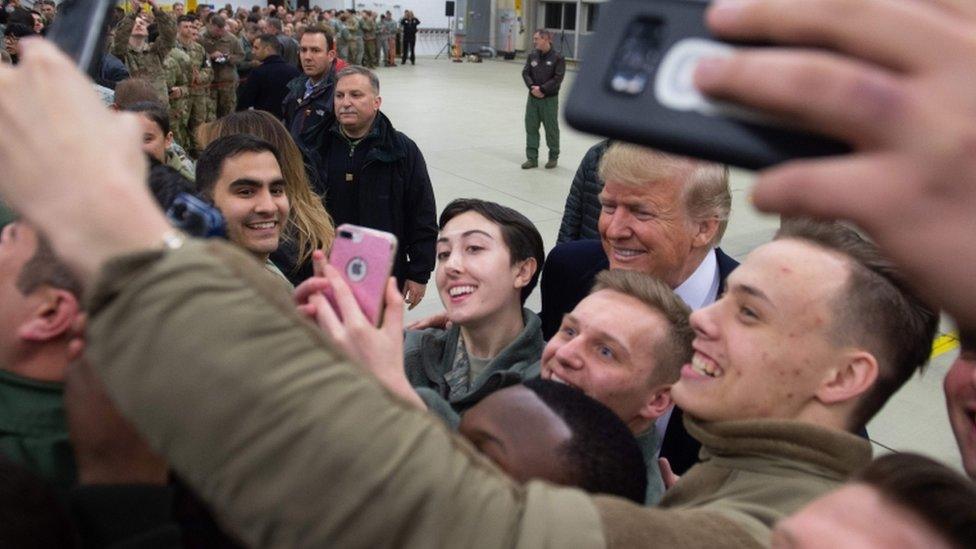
x=488, y=261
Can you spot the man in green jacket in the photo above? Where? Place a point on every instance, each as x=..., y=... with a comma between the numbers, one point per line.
x=787, y=365
x=142, y=58
x=38, y=307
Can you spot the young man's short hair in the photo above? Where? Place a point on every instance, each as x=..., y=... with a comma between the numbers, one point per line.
x=876, y=311
x=941, y=497
x=674, y=350
x=520, y=235
x=602, y=451
x=323, y=29
x=272, y=40
x=211, y=161
x=186, y=18
x=134, y=90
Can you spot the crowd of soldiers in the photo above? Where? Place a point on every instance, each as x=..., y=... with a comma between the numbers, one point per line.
x=197, y=61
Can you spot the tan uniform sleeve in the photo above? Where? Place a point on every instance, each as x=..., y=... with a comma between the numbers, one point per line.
x=292, y=445
x=625, y=526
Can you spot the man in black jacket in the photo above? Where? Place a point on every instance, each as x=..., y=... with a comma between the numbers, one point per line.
x=308, y=107
x=267, y=85
x=376, y=176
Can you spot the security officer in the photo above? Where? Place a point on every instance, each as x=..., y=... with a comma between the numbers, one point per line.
x=225, y=52
x=543, y=74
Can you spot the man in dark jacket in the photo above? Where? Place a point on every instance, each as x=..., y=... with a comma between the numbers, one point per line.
x=375, y=176
x=307, y=108
x=543, y=74
x=582, y=211
x=267, y=85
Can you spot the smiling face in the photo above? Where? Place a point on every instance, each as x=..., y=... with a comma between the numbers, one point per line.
x=475, y=276
x=250, y=193
x=764, y=349
x=356, y=104
x=647, y=229
x=523, y=436
x=606, y=348
x=154, y=141
x=960, y=392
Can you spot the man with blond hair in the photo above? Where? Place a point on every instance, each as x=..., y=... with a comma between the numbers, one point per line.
x=661, y=215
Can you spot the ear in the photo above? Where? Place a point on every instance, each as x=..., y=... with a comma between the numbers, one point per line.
x=332, y=54
x=853, y=378
x=53, y=317
x=657, y=403
x=169, y=140
x=379, y=101
x=705, y=231
x=524, y=270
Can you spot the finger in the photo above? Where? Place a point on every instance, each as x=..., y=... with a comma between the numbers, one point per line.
x=308, y=310
x=348, y=306
x=314, y=285
x=847, y=187
x=393, y=307
x=326, y=318
x=817, y=91
x=894, y=33
x=667, y=475
x=319, y=261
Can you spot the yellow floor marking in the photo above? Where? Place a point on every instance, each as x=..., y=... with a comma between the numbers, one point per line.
x=945, y=343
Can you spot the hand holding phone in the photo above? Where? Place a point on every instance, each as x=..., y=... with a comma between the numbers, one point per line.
x=637, y=87
x=364, y=258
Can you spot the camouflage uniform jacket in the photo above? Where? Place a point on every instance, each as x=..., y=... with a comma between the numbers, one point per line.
x=148, y=61
x=368, y=26
x=179, y=72
x=202, y=70
x=230, y=46
x=352, y=26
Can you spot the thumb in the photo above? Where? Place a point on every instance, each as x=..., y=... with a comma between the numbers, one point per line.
x=670, y=479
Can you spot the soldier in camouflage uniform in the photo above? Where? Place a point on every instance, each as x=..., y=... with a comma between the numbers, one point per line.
x=369, y=27
x=142, y=59
x=225, y=52
x=341, y=36
x=179, y=74
x=355, y=40
x=198, y=111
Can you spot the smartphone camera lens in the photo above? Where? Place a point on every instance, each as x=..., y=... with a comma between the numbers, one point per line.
x=345, y=234
x=636, y=58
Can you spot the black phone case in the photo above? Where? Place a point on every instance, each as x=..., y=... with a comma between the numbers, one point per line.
x=631, y=41
x=80, y=30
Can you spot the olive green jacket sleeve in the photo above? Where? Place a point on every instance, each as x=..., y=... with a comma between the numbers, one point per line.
x=167, y=34
x=120, y=44
x=292, y=445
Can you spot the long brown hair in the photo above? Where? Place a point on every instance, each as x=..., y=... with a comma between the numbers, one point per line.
x=310, y=225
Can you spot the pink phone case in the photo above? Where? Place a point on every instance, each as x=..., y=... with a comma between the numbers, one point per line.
x=365, y=258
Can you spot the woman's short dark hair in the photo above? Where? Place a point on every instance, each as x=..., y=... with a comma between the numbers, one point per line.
x=520, y=235
x=153, y=111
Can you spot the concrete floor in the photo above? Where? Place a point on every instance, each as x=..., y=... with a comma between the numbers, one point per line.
x=467, y=119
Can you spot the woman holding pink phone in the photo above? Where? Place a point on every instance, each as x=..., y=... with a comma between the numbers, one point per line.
x=488, y=261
